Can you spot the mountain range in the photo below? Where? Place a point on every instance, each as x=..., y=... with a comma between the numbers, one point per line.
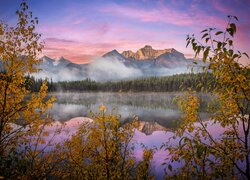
x=113, y=65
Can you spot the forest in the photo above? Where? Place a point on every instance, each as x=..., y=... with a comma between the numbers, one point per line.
x=176, y=83
x=103, y=147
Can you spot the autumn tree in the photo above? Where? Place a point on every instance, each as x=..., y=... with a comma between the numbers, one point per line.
x=103, y=149
x=20, y=111
x=202, y=153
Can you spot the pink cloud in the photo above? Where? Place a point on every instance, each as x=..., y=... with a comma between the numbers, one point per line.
x=163, y=14
x=51, y=28
x=222, y=8
x=82, y=44
x=82, y=52
x=154, y=15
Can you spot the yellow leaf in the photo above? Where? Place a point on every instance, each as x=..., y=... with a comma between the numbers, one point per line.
x=102, y=108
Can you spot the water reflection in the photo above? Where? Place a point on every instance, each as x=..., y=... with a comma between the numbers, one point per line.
x=157, y=112
x=153, y=107
x=150, y=134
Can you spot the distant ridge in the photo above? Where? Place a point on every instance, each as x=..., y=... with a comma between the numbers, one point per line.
x=147, y=52
x=145, y=62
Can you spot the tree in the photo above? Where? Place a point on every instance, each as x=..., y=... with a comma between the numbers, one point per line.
x=203, y=154
x=100, y=150
x=20, y=111
x=103, y=149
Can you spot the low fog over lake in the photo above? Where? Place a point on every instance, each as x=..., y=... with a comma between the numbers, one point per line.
x=153, y=107
x=158, y=116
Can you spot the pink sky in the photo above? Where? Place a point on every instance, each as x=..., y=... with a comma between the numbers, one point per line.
x=84, y=30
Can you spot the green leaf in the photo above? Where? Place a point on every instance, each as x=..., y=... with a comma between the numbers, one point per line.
x=230, y=31
x=205, y=54
x=170, y=167
x=200, y=151
x=224, y=44
x=246, y=55
x=203, y=31
x=235, y=17
x=206, y=40
x=230, y=42
x=233, y=26
x=204, y=35
x=198, y=50
x=235, y=56
x=218, y=32
x=230, y=52
x=219, y=45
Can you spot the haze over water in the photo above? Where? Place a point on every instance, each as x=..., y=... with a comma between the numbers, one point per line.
x=157, y=112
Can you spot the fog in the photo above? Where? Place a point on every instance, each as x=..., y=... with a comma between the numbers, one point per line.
x=104, y=69
x=61, y=75
x=157, y=107
x=107, y=69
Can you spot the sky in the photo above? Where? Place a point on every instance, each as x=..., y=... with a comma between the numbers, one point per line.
x=83, y=30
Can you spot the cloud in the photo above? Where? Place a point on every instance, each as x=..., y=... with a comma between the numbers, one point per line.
x=56, y=40
x=162, y=14
x=111, y=68
x=62, y=75
x=78, y=52
x=82, y=36
x=104, y=69
x=232, y=7
x=82, y=52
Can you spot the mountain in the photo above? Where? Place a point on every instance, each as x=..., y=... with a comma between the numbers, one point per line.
x=146, y=53
x=113, y=65
x=149, y=57
x=60, y=69
x=48, y=63
x=148, y=127
x=61, y=61
x=114, y=55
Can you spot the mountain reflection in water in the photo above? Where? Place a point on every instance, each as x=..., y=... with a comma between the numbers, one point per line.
x=157, y=113
x=150, y=134
x=152, y=107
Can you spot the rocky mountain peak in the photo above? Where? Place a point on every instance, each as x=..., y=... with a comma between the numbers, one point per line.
x=61, y=61
x=128, y=54
x=44, y=58
x=47, y=60
x=60, y=58
x=112, y=53
x=148, y=127
x=145, y=53
x=148, y=47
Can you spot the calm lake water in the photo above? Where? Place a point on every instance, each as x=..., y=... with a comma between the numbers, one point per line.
x=157, y=112
x=150, y=107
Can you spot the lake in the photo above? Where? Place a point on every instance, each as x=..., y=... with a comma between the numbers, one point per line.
x=152, y=107
x=157, y=112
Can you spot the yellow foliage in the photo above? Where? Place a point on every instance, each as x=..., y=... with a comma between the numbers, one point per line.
x=204, y=155
x=20, y=117
x=101, y=149
x=102, y=108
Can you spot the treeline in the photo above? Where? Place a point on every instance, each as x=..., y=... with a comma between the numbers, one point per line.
x=173, y=83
